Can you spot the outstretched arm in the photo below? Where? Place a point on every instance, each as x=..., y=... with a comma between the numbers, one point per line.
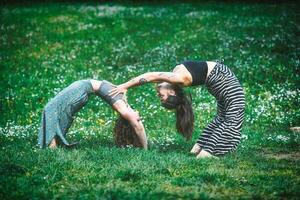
x=153, y=77
x=171, y=77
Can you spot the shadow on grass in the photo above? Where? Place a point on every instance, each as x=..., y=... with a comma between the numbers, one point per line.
x=95, y=143
x=162, y=148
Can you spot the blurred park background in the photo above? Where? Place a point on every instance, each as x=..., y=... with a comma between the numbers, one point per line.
x=44, y=47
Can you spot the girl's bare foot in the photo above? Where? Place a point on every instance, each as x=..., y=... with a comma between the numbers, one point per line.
x=53, y=144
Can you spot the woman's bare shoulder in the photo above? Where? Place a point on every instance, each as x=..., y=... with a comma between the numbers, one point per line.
x=179, y=67
x=184, y=73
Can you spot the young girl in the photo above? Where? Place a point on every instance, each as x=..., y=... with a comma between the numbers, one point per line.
x=58, y=114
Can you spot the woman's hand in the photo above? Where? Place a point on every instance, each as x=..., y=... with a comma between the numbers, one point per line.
x=120, y=89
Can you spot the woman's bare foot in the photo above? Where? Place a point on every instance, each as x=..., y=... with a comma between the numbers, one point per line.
x=53, y=144
x=196, y=149
x=205, y=154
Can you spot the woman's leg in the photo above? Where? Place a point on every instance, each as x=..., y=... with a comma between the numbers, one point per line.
x=208, y=130
x=205, y=154
x=207, y=141
x=196, y=149
x=231, y=135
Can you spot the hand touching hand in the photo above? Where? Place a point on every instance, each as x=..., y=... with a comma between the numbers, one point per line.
x=120, y=89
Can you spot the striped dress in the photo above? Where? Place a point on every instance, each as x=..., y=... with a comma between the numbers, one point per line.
x=222, y=135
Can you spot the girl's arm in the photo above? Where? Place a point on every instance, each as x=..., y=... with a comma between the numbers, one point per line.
x=170, y=77
x=140, y=131
x=134, y=119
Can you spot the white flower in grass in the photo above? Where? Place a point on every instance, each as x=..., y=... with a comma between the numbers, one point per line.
x=282, y=138
x=244, y=137
x=12, y=130
x=129, y=146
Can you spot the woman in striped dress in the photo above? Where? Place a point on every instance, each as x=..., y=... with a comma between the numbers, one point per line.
x=222, y=135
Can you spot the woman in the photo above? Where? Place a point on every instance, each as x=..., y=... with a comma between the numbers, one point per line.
x=58, y=114
x=222, y=135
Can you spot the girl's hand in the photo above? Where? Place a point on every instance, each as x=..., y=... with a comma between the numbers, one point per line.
x=120, y=89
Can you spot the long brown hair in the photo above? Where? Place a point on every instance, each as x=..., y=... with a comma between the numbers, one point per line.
x=184, y=110
x=124, y=134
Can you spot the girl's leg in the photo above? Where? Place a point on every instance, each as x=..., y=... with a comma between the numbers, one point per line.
x=54, y=143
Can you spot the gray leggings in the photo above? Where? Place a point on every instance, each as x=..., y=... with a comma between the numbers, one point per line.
x=103, y=92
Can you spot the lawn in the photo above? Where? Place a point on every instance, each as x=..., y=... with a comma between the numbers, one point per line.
x=45, y=47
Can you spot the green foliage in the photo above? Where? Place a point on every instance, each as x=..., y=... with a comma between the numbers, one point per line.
x=45, y=47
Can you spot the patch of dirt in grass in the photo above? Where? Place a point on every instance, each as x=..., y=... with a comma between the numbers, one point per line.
x=281, y=155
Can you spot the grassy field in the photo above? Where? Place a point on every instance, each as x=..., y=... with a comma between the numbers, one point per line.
x=45, y=47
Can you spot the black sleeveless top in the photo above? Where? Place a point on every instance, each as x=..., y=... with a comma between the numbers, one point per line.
x=198, y=70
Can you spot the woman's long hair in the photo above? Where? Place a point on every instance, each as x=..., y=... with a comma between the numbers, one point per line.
x=184, y=111
x=124, y=134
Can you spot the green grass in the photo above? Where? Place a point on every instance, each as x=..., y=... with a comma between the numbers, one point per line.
x=45, y=47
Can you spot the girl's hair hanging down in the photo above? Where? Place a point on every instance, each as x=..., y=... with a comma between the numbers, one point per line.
x=124, y=134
